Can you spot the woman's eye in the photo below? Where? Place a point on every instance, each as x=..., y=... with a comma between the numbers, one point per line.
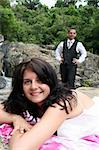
x=27, y=82
x=38, y=80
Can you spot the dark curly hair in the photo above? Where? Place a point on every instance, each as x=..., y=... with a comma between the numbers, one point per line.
x=17, y=103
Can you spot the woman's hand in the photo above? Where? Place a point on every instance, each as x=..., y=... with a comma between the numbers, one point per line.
x=20, y=124
x=15, y=140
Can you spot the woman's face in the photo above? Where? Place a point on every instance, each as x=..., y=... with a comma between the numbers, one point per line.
x=33, y=88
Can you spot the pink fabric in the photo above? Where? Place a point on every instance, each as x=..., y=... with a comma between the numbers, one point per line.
x=57, y=143
x=52, y=144
x=92, y=138
x=5, y=132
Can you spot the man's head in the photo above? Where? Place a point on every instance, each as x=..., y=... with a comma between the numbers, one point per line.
x=71, y=33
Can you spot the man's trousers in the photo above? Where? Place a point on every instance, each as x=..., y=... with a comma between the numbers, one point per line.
x=68, y=73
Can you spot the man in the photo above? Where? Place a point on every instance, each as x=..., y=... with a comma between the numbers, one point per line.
x=67, y=55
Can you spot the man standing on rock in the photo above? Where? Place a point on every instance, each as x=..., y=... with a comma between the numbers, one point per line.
x=70, y=53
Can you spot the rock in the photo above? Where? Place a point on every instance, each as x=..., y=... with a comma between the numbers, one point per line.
x=2, y=146
x=18, y=52
x=2, y=82
x=87, y=72
x=4, y=93
x=1, y=38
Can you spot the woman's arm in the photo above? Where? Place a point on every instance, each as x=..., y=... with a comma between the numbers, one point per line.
x=44, y=129
x=40, y=132
x=5, y=117
x=17, y=121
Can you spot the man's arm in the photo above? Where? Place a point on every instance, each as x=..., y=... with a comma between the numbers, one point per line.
x=83, y=52
x=58, y=52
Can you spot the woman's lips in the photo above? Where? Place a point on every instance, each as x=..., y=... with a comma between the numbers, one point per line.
x=35, y=93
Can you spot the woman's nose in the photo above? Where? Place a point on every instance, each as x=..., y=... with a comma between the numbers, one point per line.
x=34, y=84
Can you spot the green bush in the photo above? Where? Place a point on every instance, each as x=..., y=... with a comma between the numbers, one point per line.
x=86, y=83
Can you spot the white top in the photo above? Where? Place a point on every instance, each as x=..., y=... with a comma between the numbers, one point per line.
x=79, y=48
x=83, y=125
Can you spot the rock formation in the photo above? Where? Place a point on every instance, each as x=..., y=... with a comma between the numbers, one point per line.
x=14, y=53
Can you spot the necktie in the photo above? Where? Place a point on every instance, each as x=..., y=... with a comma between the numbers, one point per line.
x=69, y=44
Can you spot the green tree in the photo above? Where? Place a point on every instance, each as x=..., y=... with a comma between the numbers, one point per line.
x=8, y=23
x=5, y=3
x=92, y=34
x=30, y=4
x=59, y=3
x=64, y=3
x=93, y=3
x=68, y=2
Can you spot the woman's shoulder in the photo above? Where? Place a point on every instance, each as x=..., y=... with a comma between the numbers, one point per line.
x=79, y=94
x=84, y=100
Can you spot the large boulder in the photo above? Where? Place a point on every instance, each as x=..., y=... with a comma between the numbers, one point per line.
x=17, y=52
x=88, y=71
x=14, y=53
x=1, y=38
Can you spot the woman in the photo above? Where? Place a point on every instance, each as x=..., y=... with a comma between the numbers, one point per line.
x=51, y=107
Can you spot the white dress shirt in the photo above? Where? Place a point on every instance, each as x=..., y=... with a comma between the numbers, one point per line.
x=79, y=49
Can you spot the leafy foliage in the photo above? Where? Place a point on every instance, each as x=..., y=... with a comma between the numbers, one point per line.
x=5, y=3
x=93, y=3
x=86, y=83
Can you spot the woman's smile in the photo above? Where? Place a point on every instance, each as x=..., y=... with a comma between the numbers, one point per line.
x=36, y=93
